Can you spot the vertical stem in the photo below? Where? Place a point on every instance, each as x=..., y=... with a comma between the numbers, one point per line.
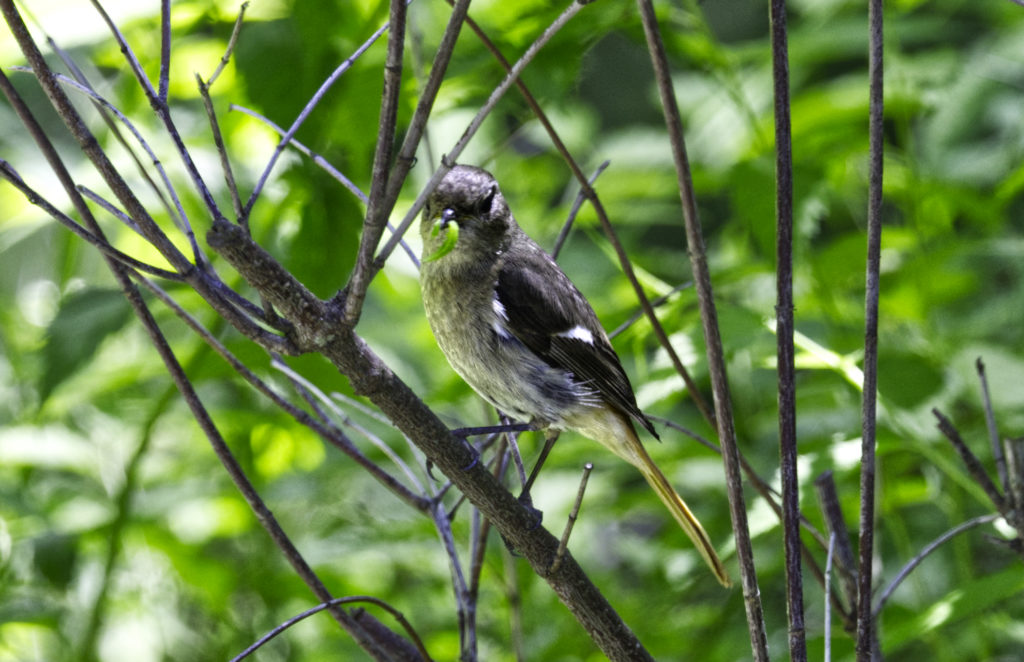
x=865, y=623
x=784, y=334
x=993, y=429
x=712, y=336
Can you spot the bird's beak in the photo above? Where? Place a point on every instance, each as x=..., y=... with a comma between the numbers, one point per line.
x=445, y=223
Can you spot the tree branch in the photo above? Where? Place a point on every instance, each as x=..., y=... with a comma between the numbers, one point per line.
x=866, y=636
x=785, y=325
x=712, y=335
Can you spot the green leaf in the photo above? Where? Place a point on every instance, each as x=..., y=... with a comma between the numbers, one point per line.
x=450, y=239
x=84, y=320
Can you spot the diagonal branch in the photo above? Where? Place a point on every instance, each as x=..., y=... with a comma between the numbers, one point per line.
x=712, y=335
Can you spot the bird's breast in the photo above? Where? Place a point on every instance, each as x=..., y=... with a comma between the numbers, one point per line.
x=469, y=325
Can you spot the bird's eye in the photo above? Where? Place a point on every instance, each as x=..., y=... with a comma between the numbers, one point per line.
x=484, y=206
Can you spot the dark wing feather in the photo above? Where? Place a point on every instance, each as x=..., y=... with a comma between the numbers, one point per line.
x=541, y=303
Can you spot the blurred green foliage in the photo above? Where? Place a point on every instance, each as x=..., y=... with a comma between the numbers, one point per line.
x=98, y=456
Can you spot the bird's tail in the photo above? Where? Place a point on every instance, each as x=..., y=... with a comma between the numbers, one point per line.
x=681, y=513
x=615, y=431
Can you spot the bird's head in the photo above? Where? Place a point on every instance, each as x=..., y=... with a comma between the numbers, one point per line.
x=466, y=215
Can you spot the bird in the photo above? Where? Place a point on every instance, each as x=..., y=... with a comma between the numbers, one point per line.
x=517, y=330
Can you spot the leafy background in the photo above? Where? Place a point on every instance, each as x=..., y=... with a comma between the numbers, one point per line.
x=99, y=459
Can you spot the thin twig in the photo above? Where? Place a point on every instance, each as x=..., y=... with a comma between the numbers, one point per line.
x=334, y=603
x=655, y=303
x=828, y=597
x=159, y=105
x=563, y=544
x=379, y=443
x=785, y=325
x=329, y=168
x=300, y=147
x=971, y=462
x=376, y=213
x=51, y=83
x=563, y=234
x=304, y=114
x=866, y=635
x=712, y=335
x=115, y=131
x=232, y=41
x=165, y=50
x=1014, y=452
x=222, y=151
x=923, y=554
x=8, y=173
x=382, y=201
x=442, y=524
x=479, y=531
x=993, y=429
x=179, y=216
x=839, y=535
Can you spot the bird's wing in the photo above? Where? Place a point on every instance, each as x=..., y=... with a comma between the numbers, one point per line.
x=540, y=306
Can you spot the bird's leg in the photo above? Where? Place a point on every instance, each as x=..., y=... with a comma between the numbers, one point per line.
x=550, y=437
x=465, y=433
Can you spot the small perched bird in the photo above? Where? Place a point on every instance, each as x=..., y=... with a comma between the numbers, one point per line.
x=518, y=331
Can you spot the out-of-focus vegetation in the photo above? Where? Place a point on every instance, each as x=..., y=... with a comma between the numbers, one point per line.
x=99, y=458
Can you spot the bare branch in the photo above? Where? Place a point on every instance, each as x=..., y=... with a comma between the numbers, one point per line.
x=420, y=648
x=971, y=462
x=8, y=173
x=159, y=105
x=563, y=544
x=386, y=186
x=115, y=130
x=306, y=111
x=866, y=636
x=165, y=49
x=179, y=216
x=884, y=596
x=828, y=597
x=232, y=41
x=839, y=537
x=785, y=326
x=563, y=234
x=218, y=141
x=712, y=335
x=993, y=429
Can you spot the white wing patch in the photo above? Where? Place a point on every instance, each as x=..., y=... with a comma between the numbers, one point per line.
x=578, y=332
x=501, y=318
